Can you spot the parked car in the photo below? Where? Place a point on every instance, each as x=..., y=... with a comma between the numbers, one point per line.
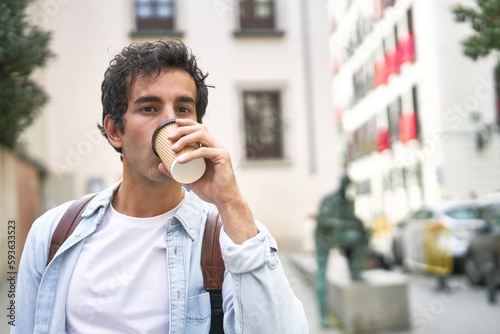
x=436, y=237
x=482, y=260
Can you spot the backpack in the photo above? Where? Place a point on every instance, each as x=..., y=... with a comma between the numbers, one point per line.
x=211, y=258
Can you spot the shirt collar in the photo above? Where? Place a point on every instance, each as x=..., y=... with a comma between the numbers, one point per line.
x=190, y=214
x=101, y=200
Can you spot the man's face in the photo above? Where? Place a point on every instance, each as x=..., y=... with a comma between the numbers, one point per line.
x=152, y=100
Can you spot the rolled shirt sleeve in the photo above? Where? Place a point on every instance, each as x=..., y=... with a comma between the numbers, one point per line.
x=252, y=254
x=257, y=295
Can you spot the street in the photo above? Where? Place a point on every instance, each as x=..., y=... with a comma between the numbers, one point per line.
x=460, y=309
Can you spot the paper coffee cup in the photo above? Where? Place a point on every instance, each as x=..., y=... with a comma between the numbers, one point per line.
x=188, y=172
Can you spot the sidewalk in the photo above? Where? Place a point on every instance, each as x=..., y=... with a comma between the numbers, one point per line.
x=303, y=288
x=463, y=309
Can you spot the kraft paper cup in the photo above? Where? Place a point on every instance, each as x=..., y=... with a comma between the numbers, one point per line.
x=183, y=173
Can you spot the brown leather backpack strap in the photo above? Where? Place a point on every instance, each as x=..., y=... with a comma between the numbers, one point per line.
x=212, y=266
x=67, y=224
x=212, y=263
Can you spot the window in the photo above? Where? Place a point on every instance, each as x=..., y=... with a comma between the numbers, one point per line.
x=263, y=125
x=370, y=135
x=363, y=80
x=414, y=95
x=409, y=18
x=408, y=121
x=154, y=14
x=363, y=140
x=393, y=115
x=358, y=81
x=391, y=59
x=380, y=72
x=257, y=14
x=406, y=40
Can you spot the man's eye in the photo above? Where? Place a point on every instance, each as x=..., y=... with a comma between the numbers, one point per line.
x=183, y=110
x=148, y=109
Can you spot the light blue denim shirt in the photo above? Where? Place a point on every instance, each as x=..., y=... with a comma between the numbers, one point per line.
x=256, y=292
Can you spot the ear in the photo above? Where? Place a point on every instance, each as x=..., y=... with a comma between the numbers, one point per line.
x=113, y=133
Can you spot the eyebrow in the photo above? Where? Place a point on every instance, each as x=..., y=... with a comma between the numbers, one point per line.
x=153, y=98
x=185, y=99
x=148, y=98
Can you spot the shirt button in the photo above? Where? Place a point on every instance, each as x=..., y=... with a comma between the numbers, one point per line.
x=77, y=233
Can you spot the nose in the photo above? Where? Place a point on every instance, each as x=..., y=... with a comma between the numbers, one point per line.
x=165, y=116
x=167, y=113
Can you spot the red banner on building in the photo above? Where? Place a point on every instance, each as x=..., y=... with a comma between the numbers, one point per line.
x=407, y=127
x=383, y=139
x=406, y=50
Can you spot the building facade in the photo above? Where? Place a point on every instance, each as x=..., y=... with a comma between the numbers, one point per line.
x=271, y=102
x=419, y=119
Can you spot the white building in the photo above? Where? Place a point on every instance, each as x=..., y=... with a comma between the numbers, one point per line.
x=271, y=106
x=416, y=113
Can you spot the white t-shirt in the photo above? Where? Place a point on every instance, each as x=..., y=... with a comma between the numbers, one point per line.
x=120, y=281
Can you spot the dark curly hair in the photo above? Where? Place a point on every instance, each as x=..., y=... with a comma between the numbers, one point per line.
x=147, y=59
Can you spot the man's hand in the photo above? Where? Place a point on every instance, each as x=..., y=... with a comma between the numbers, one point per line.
x=218, y=184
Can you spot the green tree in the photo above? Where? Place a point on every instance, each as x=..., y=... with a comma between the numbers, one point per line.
x=23, y=48
x=484, y=19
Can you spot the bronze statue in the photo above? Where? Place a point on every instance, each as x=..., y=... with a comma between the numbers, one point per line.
x=338, y=227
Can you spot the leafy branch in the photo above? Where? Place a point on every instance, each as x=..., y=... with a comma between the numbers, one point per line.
x=484, y=19
x=23, y=48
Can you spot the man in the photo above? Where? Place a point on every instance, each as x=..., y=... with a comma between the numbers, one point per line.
x=338, y=226
x=133, y=263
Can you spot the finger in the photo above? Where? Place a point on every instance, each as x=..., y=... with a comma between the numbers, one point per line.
x=199, y=153
x=185, y=129
x=191, y=138
x=164, y=169
x=185, y=122
x=202, y=138
x=213, y=154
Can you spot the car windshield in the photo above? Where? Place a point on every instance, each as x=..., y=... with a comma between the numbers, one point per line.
x=459, y=212
x=464, y=212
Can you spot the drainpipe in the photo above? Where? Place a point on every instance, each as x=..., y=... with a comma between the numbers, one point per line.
x=306, y=58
